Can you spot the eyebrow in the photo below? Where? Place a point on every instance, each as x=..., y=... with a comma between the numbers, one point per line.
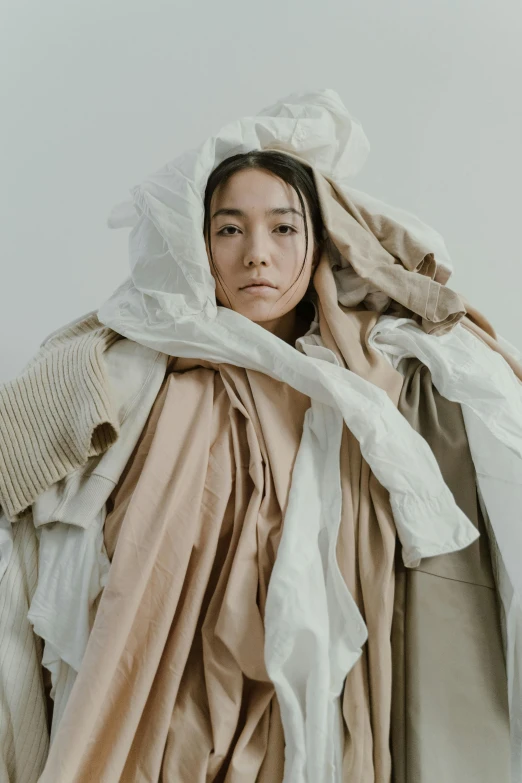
x=275, y=211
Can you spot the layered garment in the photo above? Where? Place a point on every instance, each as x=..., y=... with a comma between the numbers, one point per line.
x=244, y=631
x=174, y=684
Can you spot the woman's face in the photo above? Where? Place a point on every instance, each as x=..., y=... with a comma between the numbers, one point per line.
x=257, y=234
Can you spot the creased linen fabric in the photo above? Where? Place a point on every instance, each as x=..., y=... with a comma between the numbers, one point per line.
x=214, y=599
x=174, y=684
x=427, y=520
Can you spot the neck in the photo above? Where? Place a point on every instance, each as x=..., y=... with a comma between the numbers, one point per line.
x=288, y=328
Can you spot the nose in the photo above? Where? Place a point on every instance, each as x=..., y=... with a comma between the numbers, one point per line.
x=255, y=258
x=257, y=253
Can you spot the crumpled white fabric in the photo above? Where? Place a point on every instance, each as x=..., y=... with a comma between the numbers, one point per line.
x=73, y=568
x=467, y=371
x=312, y=596
x=169, y=304
x=24, y=739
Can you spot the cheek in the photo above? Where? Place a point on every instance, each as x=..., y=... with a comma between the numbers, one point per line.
x=224, y=279
x=222, y=261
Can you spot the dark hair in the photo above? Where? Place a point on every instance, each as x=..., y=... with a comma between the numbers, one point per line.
x=288, y=169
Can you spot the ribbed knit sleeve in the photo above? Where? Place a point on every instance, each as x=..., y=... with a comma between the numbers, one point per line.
x=56, y=414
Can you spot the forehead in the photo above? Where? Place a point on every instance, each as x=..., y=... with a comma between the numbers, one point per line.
x=255, y=188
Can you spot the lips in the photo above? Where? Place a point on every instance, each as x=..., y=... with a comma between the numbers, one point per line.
x=258, y=282
x=258, y=290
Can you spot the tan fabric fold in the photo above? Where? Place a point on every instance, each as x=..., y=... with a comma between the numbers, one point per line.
x=346, y=331
x=450, y=719
x=365, y=552
x=173, y=685
x=385, y=255
x=478, y=318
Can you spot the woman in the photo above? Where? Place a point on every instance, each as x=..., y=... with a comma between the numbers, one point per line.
x=177, y=682
x=269, y=237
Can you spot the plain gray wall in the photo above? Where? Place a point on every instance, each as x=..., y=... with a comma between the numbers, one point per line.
x=94, y=96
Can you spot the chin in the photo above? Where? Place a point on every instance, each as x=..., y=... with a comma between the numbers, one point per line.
x=259, y=314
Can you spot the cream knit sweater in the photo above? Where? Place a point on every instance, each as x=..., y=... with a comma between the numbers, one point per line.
x=56, y=414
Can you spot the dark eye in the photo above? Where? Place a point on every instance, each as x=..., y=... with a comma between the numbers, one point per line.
x=292, y=229
x=225, y=228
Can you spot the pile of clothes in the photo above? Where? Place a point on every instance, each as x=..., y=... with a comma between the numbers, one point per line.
x=225, y=558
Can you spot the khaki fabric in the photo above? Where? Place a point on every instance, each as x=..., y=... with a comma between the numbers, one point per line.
x=173, y=686
x=450, y=717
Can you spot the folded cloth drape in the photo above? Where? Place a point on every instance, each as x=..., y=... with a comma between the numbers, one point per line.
x=183, y=320
x=174, y=682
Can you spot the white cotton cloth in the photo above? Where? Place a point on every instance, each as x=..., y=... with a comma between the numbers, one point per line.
x=72, y=560
x=169, y=304
x=311, y=599
x=73, y=567
x=465, y=370
x=24, y=737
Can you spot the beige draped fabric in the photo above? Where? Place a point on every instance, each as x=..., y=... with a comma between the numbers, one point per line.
x=173, y=686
